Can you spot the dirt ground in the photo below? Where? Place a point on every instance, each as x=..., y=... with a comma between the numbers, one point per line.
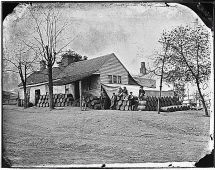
x=37, y=136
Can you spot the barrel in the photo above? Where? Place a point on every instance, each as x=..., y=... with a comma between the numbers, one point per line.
x=141, y=107
x=143, y=102
x=126, y=107
x=58, y=96
x=124, y=102
x=122, y=98
x=122, y=107
x=118, y=98
x=117, y=107
x=87, y=99
x=180, y=108
x=95, y=102
x=149, y=108
x=93, y=98
x=119, y=102
x=97, y=106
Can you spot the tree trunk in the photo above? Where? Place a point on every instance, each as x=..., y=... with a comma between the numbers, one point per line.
x=203, y=101
x=23, y=79
x=51, y=102
x=25, y=96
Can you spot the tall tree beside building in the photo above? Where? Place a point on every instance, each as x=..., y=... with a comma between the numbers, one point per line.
x=188, y=56
x=46, y=38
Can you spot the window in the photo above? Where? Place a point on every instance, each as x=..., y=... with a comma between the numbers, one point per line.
x=119, y=80
x=110, y=79
x=114, y=79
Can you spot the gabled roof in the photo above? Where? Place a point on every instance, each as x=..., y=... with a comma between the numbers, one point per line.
x=73, y=72
x=82, y=69
x=41, y=76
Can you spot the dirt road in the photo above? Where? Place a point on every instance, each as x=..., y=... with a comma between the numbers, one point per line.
x=37, y=136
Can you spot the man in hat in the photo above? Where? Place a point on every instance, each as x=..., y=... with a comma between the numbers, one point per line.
x=141, y=93
x=131, y=101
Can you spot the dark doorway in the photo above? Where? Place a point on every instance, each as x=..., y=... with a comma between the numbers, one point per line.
x=37, y=96
x=77, y=95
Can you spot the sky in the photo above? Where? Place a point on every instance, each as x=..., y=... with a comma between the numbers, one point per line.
x=129, y=30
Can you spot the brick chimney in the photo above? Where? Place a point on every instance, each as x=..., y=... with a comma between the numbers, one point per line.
x=42, y=65
x=143, y=69
x=66, y=60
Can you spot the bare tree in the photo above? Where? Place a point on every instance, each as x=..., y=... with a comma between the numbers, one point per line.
x=46, y=38
x=188, y=56
x=16, y=59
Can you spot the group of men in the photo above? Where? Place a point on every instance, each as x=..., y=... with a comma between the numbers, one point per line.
x=123, y=95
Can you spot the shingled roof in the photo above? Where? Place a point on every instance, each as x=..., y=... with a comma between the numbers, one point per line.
x=38, y=77
x=73, y=72
x=82, y=69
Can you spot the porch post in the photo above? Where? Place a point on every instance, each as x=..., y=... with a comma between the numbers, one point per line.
x=80, y=92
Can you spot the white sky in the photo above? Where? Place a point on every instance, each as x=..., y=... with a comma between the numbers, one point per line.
x=130, y=30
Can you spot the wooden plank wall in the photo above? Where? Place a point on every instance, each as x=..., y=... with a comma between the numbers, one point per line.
x=113, y=67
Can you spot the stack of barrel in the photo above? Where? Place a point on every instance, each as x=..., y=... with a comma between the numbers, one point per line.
x=93, y=102
x=123, y=104
x=175, y=108
x=60, y=100
x=141, y=105
x=152, y=102
x=43, y=101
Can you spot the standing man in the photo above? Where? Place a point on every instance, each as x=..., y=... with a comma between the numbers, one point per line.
x=102, y=100
x=141, y=93
x=131, y=100
x=83, y=104
x=113, y=101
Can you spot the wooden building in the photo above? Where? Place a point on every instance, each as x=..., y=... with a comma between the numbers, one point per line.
x=93, y=74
